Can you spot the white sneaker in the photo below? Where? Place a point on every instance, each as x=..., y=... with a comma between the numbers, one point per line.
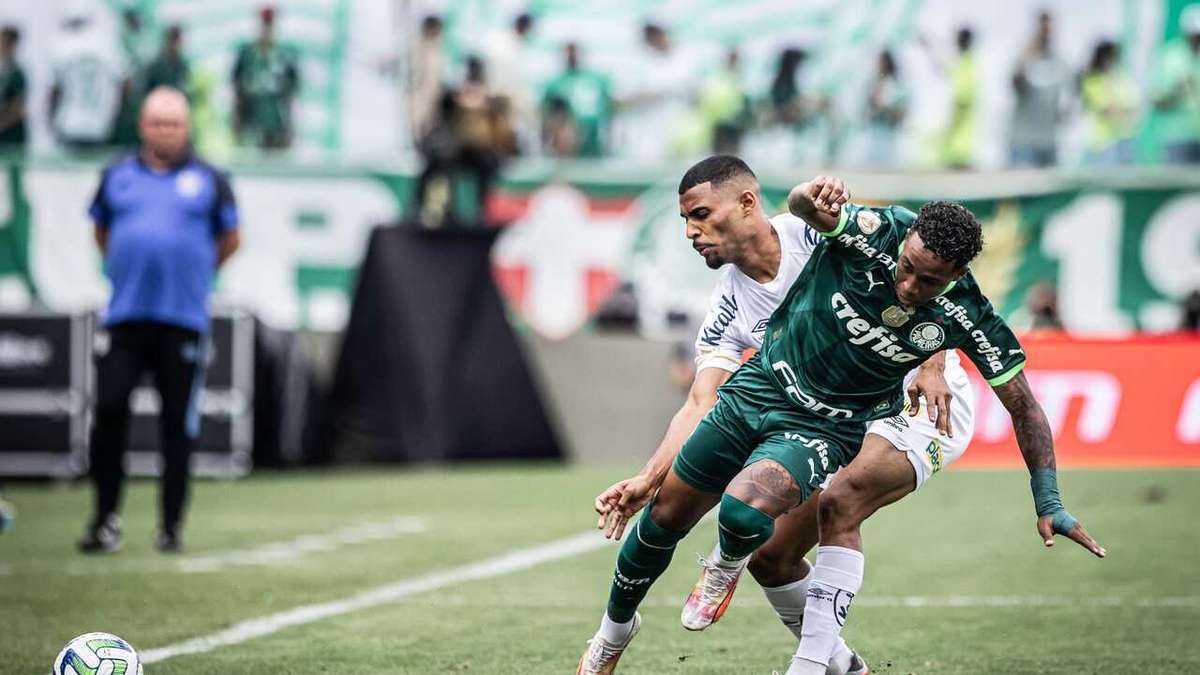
x=711, y=595
x=857, y=667
x=601, y=656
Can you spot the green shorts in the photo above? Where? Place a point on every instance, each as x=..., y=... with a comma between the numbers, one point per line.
x=752, y=420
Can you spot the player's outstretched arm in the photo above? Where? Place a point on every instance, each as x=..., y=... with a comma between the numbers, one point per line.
x=1037, y=447
x=621, y=501
x=819, y=202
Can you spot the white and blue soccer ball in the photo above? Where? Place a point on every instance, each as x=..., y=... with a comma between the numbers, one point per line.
x=97, y=654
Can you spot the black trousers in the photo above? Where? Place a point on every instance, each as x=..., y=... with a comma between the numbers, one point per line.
x=176, y=357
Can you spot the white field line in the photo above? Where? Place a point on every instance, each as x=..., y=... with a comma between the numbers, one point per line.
x=752, y=599
x=5, y=570
x=270, y=554
x=287, y=551
x=506, y=563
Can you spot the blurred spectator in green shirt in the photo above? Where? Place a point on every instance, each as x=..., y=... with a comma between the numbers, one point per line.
x=170, y=68
x=578, y=98
x=1178, y=91
x=137, y=48
x=723, y=105
x=266, y=78
x=13, y=88
x=1110, y=105
x=958, y=149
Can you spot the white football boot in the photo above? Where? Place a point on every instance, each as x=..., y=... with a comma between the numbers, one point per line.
x=711, y=595
x=601, y=656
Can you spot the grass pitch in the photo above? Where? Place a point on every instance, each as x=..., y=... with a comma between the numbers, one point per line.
x=957, y=581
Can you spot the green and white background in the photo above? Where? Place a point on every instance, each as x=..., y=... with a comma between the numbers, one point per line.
x=1123, y=249
x=354, y=54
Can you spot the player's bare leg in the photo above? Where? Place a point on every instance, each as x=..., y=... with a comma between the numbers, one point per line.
x=878, y=476
x=644, y=556
x=755, y=498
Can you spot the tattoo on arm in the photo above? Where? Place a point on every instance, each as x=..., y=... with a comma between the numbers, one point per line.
x=1029, y=423
x=768, y=487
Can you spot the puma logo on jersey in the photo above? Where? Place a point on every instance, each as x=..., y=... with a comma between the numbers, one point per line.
x=871, y=281
x=879, y=339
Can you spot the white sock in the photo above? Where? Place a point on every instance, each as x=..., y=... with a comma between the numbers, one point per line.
x=616, y=633
x=835, y=580
x=718, y=557
x=839, y=663
x=801, y=666
x=788, y=601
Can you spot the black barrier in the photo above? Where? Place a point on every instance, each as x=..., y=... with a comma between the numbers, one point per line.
x=429, y=368
x=47, y=383
x=44, y=393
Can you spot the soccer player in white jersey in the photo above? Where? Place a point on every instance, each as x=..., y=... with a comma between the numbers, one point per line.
x=758, y=267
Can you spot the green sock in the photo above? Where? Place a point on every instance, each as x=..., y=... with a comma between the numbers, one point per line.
x=742, y=528
x=644, y=556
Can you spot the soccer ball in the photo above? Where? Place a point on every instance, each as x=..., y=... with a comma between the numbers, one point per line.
x=97, y=654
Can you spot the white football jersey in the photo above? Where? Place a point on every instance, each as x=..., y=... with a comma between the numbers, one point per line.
x=89, y=72
x=740, y=307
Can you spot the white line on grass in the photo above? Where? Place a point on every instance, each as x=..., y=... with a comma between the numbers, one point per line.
x=505, y=563
x=5, y=570
x=270, y=554
x=286, y=551
x=750, y=600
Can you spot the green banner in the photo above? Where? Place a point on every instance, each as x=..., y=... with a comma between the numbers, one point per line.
x=1122, y=250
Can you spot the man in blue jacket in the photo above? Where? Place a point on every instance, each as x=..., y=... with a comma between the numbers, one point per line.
x=165, y=221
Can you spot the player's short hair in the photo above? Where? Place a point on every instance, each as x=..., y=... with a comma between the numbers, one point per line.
x=716, y=170
x=951, y=231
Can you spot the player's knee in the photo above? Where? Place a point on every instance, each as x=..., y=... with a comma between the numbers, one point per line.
x=743, y=520
x=841, y=505
x=653, y=531
x=669, y=516
x=777, y=565
x=768, y=487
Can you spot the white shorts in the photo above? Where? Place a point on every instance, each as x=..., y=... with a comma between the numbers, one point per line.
x=918, y=438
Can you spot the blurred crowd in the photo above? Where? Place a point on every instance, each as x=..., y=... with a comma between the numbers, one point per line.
x=675, y=107
x=514, y=92
x=97, y=86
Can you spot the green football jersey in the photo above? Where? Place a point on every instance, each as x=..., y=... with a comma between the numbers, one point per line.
x=840, y=343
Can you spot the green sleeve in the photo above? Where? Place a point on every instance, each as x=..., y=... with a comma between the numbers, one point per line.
x=994, y=348
x=862, y=228
x=841, y=226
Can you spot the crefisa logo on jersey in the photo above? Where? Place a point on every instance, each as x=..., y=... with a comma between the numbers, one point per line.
x=927, y=336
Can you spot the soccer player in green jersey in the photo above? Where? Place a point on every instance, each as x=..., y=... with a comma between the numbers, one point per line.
x=797, y=411
x=856, y=336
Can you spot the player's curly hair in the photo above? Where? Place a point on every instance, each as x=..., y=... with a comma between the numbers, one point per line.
x=951, y=231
